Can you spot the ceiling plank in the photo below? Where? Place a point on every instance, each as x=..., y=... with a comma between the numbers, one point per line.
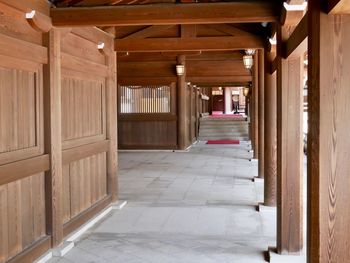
x=167, y=14
x=147, y=32
x=189, y=44
x=227, y=29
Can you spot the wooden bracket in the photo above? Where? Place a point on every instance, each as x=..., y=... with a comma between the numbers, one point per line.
x=39, y=21
x=101, y=48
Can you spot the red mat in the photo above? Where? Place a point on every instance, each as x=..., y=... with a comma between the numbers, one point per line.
x=223, y=142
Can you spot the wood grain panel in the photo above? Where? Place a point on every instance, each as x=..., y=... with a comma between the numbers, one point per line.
x=154, y=134
x=22, y=220
x=17, y=109
x=76, y=46
x=13, y=47
x=21, y=114
x=87, y=182
x=83, y=65
x=83, y=109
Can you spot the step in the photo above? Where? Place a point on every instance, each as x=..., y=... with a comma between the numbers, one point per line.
x=228, y=129
x=223, y=138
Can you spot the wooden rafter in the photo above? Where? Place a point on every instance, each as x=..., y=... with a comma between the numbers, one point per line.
x=166, y=14
x=189, y=44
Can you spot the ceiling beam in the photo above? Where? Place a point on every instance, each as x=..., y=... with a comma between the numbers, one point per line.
x=189, y=44
x=167, y=14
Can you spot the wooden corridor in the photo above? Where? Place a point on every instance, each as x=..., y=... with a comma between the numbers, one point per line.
x=80, y=79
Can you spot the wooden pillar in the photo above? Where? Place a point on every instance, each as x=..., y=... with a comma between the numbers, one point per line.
x=270, y=133
x=255, y=108
x=112, y=114
x=182, y=106
x=289, y=150
x=53, y=141
x=261, y=102
x=328, y=137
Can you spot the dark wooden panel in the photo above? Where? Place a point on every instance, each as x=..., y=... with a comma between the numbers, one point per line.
x=146, y=117
x=141, y=134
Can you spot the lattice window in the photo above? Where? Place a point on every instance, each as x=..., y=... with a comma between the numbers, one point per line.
x=145, y=99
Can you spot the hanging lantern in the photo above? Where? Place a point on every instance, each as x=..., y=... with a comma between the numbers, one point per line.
x=246, y=91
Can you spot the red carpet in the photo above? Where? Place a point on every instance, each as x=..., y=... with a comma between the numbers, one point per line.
x=223, y=142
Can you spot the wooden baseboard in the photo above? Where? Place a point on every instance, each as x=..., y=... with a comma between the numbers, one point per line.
x=33, y=252
x=86, y=215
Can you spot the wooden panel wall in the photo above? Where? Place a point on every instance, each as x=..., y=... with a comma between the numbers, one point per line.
x=52, y=81
x=22, y=157
x=84, y=121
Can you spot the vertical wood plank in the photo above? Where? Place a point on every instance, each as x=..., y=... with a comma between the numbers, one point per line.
x=38, y=184
x=4, y=232
x=53, y=144
x=27, y=216
x=328, y=137
x=66, y=193
x=14, y=218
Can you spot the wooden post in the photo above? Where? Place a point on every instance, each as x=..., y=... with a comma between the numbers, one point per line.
x=289, y=150
x=112, y=114
x=328, y=137
x=261, y=103
x=255, y=108
x=53, y=141
x=182, y=106
x=270, y=133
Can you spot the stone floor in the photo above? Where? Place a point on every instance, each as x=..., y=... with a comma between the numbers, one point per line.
x=183, y=207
